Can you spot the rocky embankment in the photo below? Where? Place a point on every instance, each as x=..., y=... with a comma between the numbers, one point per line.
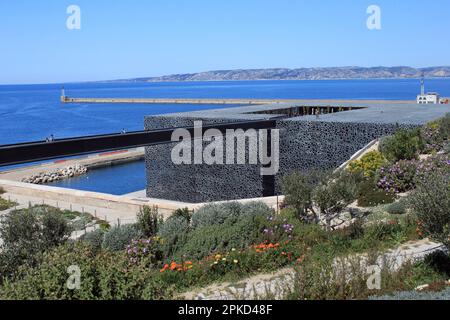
x=47, y=177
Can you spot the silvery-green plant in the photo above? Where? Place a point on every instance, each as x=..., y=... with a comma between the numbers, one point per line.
x=118, y=237
x=212, y=214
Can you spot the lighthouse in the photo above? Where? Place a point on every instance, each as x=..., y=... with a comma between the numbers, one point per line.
x=429, y=97
x=63, y=94
x=422, y=86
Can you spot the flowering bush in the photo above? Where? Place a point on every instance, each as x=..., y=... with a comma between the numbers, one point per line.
x=277, y=228
x=368, y=164
x=431, y=136
x=280, y=253
x=223, y=263
x=435, y=134
x=404, y=175
x=432, y=164
x=146, y=251
x=399, y=177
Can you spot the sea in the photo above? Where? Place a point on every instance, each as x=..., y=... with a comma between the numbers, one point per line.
x=34, y=112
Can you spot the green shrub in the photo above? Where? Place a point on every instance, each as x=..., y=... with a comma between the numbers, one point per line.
x=213, y=214
x=255, y=209
x=48, y=280
x=298, y=187
x=5, y=204
x=94, y=239
x=148, y=221
x=174, y=225
x=368, y=164
x=431, y=202
x=334, y=195
x=184, y=213
x=81, y=220
x=55, y=229
x=2, y=191
x=398, y=207
x=208, y=239
x=403, y=145
x=174, y=232
x=322, y=278
x=106, y=276
x=118, y=237
x=355, y=230
x=382, y=231
x=103, y=225
x=369, y=195
x=26, y=234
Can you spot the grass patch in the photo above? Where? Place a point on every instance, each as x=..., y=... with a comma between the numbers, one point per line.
x=5, y=204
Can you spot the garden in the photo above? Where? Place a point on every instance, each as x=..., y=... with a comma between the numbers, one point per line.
x=395, y=194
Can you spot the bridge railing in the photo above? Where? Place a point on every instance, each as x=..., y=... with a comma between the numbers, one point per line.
x=59, y=148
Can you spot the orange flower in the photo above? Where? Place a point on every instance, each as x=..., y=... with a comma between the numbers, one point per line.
x=173, y=265
x=166, y=266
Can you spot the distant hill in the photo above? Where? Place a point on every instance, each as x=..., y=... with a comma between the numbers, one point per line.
x=306, y=74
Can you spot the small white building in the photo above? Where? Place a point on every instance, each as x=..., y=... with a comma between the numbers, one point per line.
x=429, y=97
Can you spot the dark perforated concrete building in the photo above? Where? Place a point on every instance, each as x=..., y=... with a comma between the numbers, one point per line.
x=307, y=140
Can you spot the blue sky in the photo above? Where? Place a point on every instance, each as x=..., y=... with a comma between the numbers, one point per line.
x=134, y=38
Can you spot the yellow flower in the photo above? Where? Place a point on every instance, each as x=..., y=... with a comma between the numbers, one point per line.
x=233, y=249
x=215, y=262
x=235, y=261
x=224, y=259
x=218, y=256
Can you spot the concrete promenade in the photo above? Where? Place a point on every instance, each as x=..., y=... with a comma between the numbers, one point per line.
x=112, y=208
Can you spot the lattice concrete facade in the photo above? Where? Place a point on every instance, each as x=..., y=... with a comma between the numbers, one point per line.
x=307, y=140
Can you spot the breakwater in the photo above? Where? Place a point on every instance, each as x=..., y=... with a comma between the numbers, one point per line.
x=65, y=99
x=60, y=174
